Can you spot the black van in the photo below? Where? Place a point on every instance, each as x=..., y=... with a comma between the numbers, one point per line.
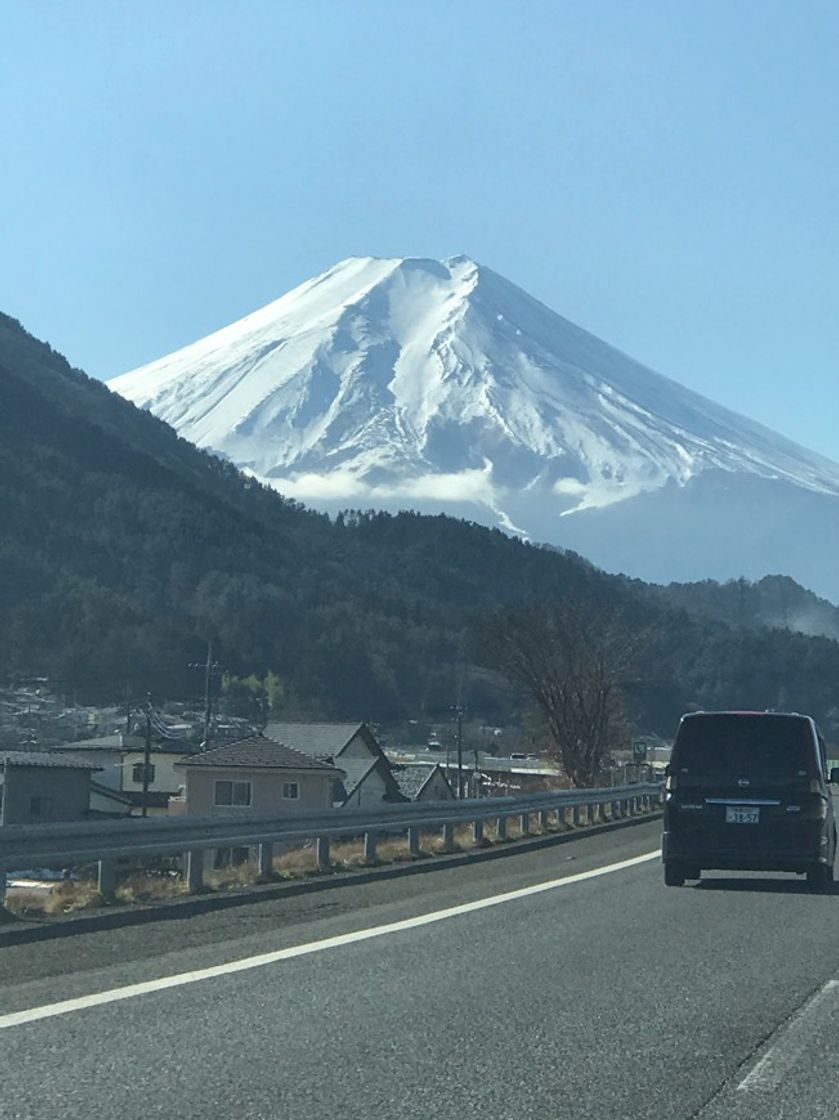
x=748, y=791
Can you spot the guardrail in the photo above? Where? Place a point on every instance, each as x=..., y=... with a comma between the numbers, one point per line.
x=107, y=842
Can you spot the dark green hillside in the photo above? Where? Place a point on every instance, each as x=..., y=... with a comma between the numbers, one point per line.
x=123, y=547
x=772, y=601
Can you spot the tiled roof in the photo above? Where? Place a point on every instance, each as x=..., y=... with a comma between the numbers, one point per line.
x=319, y=740
x=45, y=758
x=257, y=751
x=358, y=769
x=411, y=779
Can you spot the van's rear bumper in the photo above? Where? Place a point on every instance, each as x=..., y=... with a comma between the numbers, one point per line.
x=713, y=857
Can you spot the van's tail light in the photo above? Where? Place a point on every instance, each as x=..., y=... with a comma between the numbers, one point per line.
x=672, y=782
x=815, y=785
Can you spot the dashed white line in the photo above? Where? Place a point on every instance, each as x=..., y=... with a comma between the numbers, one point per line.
x=131, y=991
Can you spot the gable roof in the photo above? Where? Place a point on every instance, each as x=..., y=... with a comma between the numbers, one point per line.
x=319, y=740
x=117, y=742
x=125, y=744
x=46, y=759
x=357, y=770
x=412, y=780
x=257, y=752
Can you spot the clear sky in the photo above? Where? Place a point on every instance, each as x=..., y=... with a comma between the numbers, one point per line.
x=665, y=174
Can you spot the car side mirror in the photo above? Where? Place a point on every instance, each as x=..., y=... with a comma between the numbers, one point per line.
x=834, y=775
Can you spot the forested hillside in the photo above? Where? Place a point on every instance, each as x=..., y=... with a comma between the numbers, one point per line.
x=771, y=601
x=124, y=548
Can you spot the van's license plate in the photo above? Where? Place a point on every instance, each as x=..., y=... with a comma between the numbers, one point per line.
x=742, y=814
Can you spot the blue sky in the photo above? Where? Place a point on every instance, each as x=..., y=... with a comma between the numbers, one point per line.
x=664, y=174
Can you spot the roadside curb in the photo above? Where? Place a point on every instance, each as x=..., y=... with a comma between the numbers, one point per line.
x=25, y=931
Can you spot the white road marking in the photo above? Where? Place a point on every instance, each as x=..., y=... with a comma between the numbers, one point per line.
x=791, y=1043
x=114, y=995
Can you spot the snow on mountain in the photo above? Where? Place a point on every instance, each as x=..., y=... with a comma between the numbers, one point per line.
x=442, y=385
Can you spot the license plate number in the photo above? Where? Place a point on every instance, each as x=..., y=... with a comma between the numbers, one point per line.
x=741, y=814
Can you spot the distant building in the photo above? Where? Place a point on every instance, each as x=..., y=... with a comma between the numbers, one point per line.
x=253, y=775
x=352, y=747
x=256, y=775
x=120, y=760
x=37, y=787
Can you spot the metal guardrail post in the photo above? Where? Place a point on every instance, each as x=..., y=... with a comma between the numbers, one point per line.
x=478, y=833
x=413, y=843
x=525, y=824
x=371, y=840
x=106, y=878
x=194, y=870
x=2, y=889
x=502, y=828
x=322, y=848
x=577, y=816
x=448, y=837
x=544, y=823
x=266, y=859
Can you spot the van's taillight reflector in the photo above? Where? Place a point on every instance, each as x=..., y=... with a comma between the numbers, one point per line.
x=672, y=782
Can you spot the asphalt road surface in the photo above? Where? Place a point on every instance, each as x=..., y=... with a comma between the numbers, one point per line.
x=580, y=994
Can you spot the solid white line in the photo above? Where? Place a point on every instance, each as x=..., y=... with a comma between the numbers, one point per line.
x=114, y=995
x=790, y=1045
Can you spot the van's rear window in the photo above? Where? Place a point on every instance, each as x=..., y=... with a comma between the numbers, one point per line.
x=756, y=747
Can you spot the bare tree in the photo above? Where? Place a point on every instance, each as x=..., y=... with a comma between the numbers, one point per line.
x=570, y=657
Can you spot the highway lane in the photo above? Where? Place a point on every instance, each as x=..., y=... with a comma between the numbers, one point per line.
x=607, y=997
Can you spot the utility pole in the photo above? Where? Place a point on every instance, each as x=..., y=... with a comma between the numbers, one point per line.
x=147, y=758
x=207, y=702
x=210, y=667
x=460, y=791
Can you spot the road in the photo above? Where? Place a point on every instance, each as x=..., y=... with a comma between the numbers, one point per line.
x=596, y=995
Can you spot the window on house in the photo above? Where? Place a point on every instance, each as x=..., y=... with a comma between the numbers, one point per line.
x=40, y=806
x=232, y=793
x=137, y=772
x=291, y=791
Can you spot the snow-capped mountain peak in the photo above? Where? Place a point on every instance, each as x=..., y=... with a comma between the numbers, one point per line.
x=439, y=384
x=389, y=377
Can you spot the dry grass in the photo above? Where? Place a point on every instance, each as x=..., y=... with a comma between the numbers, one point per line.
x=63, y=898
x=139, y=887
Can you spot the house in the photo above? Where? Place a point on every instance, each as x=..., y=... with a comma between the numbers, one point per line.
x=423, y=783
x=253, y=775
x=353, y=748
x=38, y=787
x=256, y=775
x=120, y=760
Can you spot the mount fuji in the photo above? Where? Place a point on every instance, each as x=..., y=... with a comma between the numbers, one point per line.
x=443, y=387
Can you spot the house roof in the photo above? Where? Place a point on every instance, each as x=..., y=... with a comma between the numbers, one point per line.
x=258, y=752
x=109, y=792
x=413, y=779
x=101, y=743
x=124, y=743
x=319, y=740
x=357, y=770
x=46, y=759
